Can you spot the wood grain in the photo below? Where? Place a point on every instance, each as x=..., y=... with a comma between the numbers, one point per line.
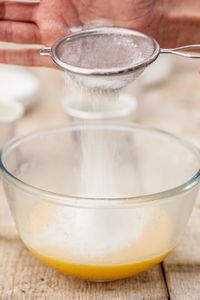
x=183, y=267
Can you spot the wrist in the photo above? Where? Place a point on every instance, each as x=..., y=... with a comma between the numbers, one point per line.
x=179, y=23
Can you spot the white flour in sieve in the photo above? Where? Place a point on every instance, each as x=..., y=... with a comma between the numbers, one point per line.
x=105, y=52
x=102, y=52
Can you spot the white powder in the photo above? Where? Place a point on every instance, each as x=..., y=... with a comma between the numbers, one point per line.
x=89, y=234
x=92, y=234
x=102, y=51
x=105, y=51
x=96, y=233
x=104, y=170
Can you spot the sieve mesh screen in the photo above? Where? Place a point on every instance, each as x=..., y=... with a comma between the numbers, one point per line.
x=105, y=58
x=105, y=51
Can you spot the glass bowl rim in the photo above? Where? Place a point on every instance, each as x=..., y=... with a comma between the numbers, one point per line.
x=69, y=200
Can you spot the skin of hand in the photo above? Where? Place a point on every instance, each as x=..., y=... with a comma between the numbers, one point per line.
x=172, y=23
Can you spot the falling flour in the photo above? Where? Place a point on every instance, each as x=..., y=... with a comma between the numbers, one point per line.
x=92, y=236
x=96, y=234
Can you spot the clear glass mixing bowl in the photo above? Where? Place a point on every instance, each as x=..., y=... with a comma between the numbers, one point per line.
x=100, y=202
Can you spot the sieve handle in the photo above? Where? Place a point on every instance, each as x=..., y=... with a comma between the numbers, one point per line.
x=45, y=51
x=184, y=51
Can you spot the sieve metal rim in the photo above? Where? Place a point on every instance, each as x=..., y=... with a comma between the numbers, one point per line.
x=104, y=72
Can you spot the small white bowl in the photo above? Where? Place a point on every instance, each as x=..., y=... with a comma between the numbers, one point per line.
x=124, y=109
x=19, y=84
x=10, y=112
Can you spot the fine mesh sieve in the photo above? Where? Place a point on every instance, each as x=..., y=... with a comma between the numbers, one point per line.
x=108, y=57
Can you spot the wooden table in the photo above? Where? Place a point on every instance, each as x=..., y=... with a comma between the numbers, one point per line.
x=173, y=106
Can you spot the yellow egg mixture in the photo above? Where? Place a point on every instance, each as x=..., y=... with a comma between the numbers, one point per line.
x=150, y=249
x=98, y=272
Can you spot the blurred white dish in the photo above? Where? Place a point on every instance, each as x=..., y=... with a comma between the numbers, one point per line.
x=10, y=112
x=124, y=109
x=19, y=84
x=158, y=72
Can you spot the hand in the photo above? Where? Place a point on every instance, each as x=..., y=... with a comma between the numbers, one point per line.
x=45, y=22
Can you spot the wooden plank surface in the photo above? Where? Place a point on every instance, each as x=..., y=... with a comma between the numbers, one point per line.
x=183, y=267
x=174, y=106
x=26, y=278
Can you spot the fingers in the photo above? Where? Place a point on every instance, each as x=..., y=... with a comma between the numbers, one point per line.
x=17, y=11
x=18, y=32
x=25, y=57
